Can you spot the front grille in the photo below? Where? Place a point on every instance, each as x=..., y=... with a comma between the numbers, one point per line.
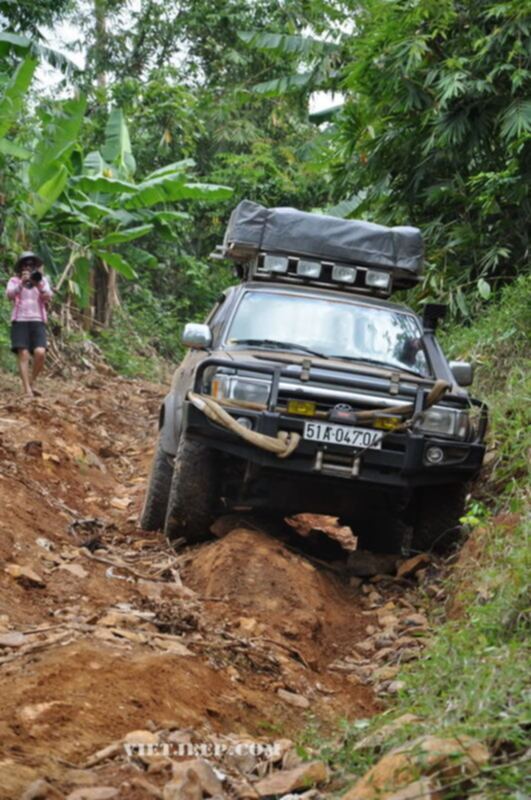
x=326, y=404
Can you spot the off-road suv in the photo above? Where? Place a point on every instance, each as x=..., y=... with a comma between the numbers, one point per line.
x=307, y=390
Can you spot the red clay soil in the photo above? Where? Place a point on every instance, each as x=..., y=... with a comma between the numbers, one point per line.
x=249, y=618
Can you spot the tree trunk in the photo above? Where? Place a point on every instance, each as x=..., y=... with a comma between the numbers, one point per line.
x=105, y=289
x=106, y=297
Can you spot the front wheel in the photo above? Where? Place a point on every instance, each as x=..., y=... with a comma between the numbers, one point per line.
x=194, y=492
x=153, y=511
x=437, y=511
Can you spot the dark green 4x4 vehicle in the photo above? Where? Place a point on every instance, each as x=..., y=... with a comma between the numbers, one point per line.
x=307, y=390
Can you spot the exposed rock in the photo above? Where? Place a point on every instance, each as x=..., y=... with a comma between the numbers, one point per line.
x=247, y=624
x=387, y=620
x=93, y=793
x=280, y=748
x=366, y=646
x=415, y=621
x=74, y=569
x=41, y=790
x=386, y=673
x=25, y=576
x=149, y=788
x=379, y=736
x=172, y=645
x=422, y=789
x=308, y=524
x=293, y=699
x=303, y=777
x=32, y=712
x=140, y=737
x=291, y=760
x=12, y=639
x=364, y=564
x=395, y=687
x=207, y=779
x=446, y=759
x=412, y=565
x=243, y=790
x=189, y=788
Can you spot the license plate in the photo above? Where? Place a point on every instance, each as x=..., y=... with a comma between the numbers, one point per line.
x=330, y=433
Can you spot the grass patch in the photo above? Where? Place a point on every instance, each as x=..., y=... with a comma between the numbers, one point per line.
x=498, y=343
x=128, y=352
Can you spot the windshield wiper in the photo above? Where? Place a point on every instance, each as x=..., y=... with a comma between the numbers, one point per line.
x=378, y=363
x=275, y=343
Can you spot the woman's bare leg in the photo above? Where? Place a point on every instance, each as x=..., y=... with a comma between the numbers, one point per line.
x=39, y=354
x=23, y=368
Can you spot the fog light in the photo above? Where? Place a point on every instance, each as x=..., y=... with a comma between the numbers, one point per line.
x=434, y=455
x=245, y=422
x=343, y=274
x=309, y=269
x=377, y=279
x=274, y=263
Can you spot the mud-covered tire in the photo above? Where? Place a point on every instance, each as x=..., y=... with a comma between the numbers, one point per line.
x=194, y=493
x=153, y=511
x=437, y=511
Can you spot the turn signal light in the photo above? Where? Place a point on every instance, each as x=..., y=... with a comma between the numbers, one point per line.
x=302, y=407
x=387, y=423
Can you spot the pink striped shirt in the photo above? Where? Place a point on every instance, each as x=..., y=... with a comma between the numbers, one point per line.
x=29, y=305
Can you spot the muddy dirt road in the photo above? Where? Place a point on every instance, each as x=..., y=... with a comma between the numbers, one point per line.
x=105, y=630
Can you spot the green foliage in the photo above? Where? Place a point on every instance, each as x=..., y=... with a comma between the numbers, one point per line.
x=13, y=93
x=128, y=352
x=436, y=130
x=498, y=343
x=59, y=138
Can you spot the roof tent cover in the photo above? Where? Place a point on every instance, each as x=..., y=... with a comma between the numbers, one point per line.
x=253, y=228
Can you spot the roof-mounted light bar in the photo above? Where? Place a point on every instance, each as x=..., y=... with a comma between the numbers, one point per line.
x=324, y=273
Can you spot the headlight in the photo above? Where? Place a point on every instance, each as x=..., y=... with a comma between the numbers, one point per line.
x=444, y=422
x=234, y=387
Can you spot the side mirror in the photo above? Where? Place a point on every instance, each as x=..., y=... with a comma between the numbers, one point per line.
x=197, y=336
x=463, y=372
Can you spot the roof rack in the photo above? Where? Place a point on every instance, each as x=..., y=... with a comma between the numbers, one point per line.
x=288, y=268
x=291, y=246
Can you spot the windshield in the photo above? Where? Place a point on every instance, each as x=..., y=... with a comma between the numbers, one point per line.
x=331, y=328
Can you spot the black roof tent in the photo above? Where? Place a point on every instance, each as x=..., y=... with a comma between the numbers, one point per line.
x=297, y=246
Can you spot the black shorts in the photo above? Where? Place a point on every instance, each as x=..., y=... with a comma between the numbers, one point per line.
x=28, y=336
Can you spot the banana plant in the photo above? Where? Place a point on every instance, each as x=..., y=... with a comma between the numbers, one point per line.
x=105, y=200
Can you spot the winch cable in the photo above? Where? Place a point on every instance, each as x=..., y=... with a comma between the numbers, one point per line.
x=286, y=442
x=282, y=445
x=437, y=391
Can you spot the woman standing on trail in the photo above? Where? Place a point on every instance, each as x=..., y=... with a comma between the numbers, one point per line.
x=30, y=293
